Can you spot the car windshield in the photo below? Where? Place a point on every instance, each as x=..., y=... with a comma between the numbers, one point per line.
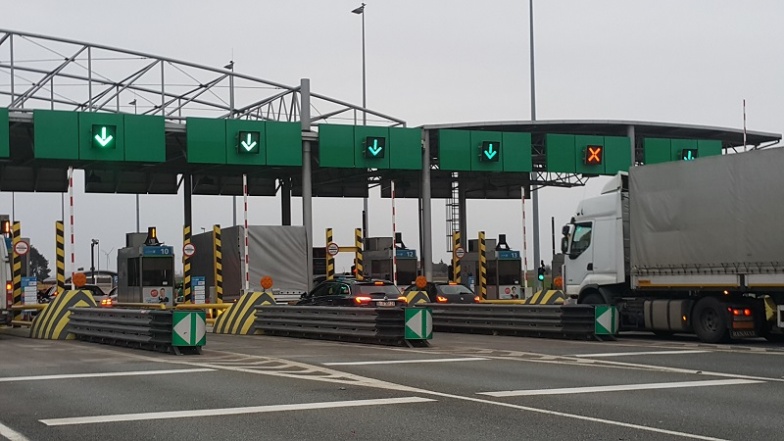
x=454, y=289
x=389, y=290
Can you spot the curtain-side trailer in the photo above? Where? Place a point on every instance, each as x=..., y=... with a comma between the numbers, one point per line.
x=690, y=246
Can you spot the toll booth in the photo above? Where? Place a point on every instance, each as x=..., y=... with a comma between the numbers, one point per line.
x=504, y=269
x=145, y=270
x=377, y=257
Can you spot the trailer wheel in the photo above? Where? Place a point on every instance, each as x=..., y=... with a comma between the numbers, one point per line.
x=709, y=321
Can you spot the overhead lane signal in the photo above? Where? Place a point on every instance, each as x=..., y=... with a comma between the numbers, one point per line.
x=490, y=151
x=689, y=154
x=375, y=147
x=104, y=136
x=248, y=143
x=594, y=155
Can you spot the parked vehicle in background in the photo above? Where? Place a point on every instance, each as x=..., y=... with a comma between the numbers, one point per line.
x=689, y=246
x=110, y=299
x=447, y=292
x=352, y=292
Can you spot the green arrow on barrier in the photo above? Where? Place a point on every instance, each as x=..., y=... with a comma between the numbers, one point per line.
x=606, y=320
x=189, y=328
x=419, y=324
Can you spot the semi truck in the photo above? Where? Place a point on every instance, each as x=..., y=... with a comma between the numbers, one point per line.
x=685, y=247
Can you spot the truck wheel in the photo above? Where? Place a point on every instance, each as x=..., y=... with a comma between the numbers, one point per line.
x=709, y=322
x=593, y=298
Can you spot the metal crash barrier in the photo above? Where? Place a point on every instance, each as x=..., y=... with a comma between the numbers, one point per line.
x=387, y=326
x=166, y=331
x=572, y=321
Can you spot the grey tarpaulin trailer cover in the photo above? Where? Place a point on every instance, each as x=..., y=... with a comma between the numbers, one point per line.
x=276, y=251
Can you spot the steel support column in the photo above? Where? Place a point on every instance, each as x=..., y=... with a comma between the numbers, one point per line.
x=426, y=227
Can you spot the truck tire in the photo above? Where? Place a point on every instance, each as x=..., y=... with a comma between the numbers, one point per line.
x=593, y=298
x=709, y=321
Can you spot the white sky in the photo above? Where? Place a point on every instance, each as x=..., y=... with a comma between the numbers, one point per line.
x=432, y=61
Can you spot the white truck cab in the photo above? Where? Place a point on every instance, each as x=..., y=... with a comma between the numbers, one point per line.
x=593, y=242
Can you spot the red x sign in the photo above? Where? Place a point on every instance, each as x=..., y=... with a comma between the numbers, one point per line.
x=593, y=154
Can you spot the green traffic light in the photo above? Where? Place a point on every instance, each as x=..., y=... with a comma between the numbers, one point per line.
x=541, y=277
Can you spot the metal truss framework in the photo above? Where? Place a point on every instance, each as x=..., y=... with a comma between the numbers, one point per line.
x=42, y=72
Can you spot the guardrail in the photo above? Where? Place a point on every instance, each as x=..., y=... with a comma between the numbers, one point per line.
x=37, y=307
x=570, y=321
x=363, y=325
x=138, y=328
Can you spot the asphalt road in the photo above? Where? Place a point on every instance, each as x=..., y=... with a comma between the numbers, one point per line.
x=463, y=387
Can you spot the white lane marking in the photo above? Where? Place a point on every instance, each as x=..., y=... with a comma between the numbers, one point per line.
x=624, y=354
x=432, y=360
x=617, y=388
x=578, y=417
x=10, y=434
x=230, y=411
x=386, y=385
x=103, y=374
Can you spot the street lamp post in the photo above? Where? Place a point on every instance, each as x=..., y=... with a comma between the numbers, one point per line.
x=93, y=243
x=534, y=193
x=133, y=103
x=361, y=11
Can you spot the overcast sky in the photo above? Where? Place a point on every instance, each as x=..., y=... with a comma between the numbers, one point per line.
x=432, y=61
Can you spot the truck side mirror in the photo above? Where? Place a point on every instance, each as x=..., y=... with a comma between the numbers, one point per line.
x=564, y=244
x=565, y=230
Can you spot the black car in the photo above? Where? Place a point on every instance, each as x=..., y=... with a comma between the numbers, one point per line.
x=446, y=292
x=352, y=292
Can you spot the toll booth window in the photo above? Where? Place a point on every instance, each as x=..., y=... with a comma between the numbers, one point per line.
x=157, y=272
x=581, y=239
x=133, y=272
x=509, y=272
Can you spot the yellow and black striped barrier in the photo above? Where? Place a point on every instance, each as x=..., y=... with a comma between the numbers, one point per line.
x=52, y=322
x=456, y=244
x=414, y=297
x=482, y=266
x=330, y=261
x=218, y=253
x=239, y=319
x=60, y=255
x=358, y=262
x=549, y=297
x=16, y=267
x=186, y=266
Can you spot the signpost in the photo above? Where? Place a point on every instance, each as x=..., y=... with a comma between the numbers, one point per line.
x=189, y=328
x=30, y=289
x=21, y=248
x=199, y=287
x=606, y=320
x=188, y=249
x=419, y=324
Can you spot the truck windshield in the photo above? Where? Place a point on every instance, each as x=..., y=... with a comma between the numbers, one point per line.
x=581, y=239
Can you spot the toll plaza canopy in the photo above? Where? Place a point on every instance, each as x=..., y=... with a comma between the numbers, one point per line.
x=138, y=123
